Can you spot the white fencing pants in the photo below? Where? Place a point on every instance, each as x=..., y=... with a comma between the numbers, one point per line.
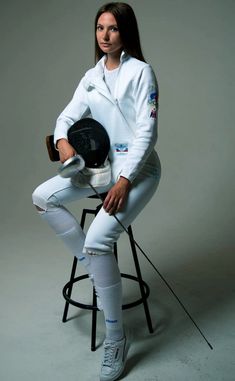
x=95, y=249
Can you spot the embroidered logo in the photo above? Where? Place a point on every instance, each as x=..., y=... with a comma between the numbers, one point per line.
x=153, y=102
x=121, y=148
x=111, y=321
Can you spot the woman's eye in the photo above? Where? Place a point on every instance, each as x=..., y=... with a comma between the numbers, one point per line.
x=112, y=28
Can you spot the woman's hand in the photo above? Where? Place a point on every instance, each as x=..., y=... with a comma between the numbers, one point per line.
x=117, y=195
x=65, y=150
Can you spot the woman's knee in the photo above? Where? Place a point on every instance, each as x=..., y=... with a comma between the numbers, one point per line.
x=41, y=202
x=98, y=243
x=38, y=200
x=103, y=232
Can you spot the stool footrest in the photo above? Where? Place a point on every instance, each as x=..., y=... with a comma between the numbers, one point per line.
x=76, y=303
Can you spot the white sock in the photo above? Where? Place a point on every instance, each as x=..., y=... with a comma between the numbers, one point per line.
x=69, y=231
x=111, y=299
x=108, y=286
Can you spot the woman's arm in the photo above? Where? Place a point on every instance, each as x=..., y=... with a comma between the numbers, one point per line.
x=146, y=122
x=77, y=109
x=65, y=150
x=146, y=106
x=117, y=196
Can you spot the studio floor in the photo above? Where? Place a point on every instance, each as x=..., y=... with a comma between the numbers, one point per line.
x=36, y=345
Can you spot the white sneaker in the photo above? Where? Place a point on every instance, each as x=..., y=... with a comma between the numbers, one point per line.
x=114, y=359
x=98, y=301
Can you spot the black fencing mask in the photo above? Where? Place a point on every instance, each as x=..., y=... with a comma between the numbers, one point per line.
x=90, y=140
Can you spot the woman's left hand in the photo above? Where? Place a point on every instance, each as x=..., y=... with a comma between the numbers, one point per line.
x=117, y=195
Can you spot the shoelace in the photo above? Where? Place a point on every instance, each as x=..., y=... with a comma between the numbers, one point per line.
x=109, y=352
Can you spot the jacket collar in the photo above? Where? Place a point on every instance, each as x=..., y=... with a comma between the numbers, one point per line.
x=101, y=63
x=95, y=76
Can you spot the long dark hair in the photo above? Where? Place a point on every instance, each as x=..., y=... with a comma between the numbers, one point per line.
x=128, y=29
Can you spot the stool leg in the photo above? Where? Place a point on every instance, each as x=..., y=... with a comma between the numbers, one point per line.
x=73, y=271
x=94, y=321
x=72, y=276
x=115, y=251
x=140, y=279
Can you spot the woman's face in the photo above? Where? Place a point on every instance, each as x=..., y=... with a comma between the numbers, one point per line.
x=107, y=34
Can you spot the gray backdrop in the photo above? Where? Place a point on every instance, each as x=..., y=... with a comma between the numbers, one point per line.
x=46, y=46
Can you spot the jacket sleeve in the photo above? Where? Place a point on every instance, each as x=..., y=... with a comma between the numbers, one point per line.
x=146, y=124
x=76, y=109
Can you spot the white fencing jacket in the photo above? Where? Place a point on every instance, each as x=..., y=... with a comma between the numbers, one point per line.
x=129, y=116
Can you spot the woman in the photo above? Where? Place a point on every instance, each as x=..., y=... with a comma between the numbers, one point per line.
x=121, y=93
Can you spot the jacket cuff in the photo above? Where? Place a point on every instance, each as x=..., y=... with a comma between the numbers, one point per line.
x=58, y=137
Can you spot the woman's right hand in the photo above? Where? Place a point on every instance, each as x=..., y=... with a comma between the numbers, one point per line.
x=65, y=150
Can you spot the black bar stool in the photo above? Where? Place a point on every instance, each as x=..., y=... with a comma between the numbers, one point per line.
x=144, y=288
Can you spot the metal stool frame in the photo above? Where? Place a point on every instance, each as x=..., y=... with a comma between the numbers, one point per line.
x=144, y=288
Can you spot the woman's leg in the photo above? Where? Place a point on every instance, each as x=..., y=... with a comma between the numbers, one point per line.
x=105, y=229
x=108, y=286
x=49, y=198
x=103, y=232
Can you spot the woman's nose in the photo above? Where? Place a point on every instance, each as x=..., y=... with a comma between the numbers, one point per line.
x=106, y=35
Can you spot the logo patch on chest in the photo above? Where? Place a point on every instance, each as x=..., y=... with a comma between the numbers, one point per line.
x=121, y=148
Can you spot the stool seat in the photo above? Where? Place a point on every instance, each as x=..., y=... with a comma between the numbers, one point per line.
x=143, y=286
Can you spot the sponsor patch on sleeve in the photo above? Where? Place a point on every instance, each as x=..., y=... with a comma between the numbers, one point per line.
x=153, y=103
